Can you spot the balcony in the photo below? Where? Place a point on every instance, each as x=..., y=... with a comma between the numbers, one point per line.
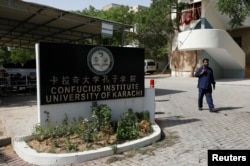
x=216, y=43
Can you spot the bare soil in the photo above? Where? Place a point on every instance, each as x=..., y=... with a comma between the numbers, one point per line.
x=73, y=143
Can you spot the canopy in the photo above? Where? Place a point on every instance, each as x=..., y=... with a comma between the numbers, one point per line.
x=22, y=24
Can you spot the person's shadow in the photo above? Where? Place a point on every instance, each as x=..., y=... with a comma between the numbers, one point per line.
x=226, y=108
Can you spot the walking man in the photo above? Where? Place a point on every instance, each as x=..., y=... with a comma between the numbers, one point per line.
x=205, y=83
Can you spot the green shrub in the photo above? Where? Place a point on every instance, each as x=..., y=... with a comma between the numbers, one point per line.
x=99, y=129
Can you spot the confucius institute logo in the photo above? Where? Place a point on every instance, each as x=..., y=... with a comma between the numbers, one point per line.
x=100, y=60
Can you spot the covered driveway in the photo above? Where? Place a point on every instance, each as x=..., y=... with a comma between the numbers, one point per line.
x=23, y=24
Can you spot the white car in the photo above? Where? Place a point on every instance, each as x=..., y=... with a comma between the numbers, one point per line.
x=17, y=78
x=149, y=66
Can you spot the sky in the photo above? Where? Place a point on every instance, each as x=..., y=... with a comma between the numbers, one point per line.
x=82, y=4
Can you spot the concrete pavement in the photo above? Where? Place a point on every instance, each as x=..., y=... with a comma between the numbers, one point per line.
x=192, y=132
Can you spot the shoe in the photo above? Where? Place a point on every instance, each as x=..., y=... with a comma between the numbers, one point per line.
x=200, y=109
x=211, y=110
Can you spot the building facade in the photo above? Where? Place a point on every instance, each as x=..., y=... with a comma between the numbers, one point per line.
x=206, y=33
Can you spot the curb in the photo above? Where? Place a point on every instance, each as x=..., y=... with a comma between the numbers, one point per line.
x=33, y=157
x=5, y=140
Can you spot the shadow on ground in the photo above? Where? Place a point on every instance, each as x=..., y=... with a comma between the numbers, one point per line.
x=161, y=92
x=19, y=99
x=174, y=121
x=227, y=108
x=230, y=80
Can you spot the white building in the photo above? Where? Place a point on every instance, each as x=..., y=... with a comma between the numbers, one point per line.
x=109, y=6
x=206, y=34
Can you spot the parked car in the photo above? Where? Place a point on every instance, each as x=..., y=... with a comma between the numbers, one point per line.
x=17, y=78
x=149, y=66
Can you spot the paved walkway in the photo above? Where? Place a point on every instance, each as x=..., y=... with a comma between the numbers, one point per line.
x=190, y=132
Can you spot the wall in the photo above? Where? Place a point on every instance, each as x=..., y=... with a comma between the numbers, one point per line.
x=76, y=110
x=184, y=63
x=218, y=71
x=161, y=65
x=244, y=34
x=210, y=13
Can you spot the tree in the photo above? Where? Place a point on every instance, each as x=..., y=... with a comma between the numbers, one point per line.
x=15, y=55
x=120, y=14
x=151, y=30
x=237, y=10
x=156, y=28
x=91, y=11
x=20, y=55
x=4, y=55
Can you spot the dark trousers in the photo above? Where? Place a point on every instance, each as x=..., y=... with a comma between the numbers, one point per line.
x=208, y=94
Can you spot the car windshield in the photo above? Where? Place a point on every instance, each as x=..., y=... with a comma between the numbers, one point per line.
x=151, y=64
